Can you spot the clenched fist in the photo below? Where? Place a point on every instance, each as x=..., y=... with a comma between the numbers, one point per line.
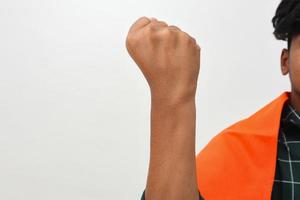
x=168, y=58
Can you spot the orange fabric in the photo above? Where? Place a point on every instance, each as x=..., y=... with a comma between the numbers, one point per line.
x=239, y=162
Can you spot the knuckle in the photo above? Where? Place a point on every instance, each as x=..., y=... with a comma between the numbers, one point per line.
x=184, y=36
x=151, y=33
x=168, y=34
x=151, y=28
x=193, y=39
x=173, y=27
x=163, y=23
x=165, y=32
x=187, y=38
x=160, y=33
x=143, y=18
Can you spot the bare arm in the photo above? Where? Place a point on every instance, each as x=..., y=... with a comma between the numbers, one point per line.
x=172, y=170
x=170, y=60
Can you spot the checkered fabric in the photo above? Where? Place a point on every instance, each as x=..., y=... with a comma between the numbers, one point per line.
x=287, y=174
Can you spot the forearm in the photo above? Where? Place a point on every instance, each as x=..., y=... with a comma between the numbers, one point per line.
x=172, y=167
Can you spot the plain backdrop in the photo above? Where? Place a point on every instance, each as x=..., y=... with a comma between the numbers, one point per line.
x=75, y=108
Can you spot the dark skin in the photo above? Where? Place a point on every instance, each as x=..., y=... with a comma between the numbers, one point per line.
x=290, y=64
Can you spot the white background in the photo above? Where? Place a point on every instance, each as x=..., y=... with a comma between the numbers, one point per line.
x=75, y=109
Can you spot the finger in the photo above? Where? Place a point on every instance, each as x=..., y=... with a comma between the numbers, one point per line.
x=192, y=38
x=140, y=23
x=172, y=27
x=198, y=47
x=162, y=23
x=157, y=23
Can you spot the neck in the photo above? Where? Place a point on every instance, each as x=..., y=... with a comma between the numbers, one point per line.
x=295, y=100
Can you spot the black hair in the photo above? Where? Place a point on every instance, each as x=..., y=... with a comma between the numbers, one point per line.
x=286, y=21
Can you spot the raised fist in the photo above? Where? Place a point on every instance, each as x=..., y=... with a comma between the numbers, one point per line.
x=167, y=56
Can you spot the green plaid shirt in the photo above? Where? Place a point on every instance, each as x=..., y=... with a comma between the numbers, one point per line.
x=287, y=174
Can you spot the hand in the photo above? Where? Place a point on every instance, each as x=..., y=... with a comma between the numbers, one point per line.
x=168, y=58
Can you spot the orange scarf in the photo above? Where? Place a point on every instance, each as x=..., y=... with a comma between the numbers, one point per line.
x=239, y=163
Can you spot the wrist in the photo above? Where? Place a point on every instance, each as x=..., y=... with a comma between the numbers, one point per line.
x=165, y=101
